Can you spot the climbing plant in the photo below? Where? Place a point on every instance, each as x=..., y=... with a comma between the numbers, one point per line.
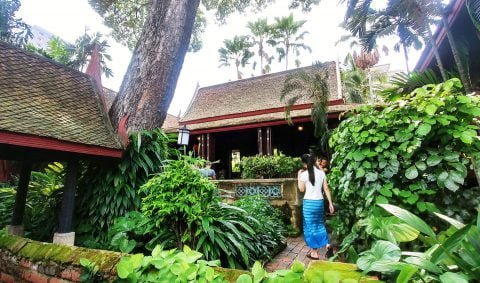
x=108, y=191
x=415, y=152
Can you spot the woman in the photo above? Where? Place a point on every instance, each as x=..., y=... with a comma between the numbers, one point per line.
x=310, y=180
x=322, y=164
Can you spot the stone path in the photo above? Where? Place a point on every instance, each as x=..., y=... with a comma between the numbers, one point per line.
x=296, y=248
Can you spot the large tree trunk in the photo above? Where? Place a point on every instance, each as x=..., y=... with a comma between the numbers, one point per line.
x=149, y=84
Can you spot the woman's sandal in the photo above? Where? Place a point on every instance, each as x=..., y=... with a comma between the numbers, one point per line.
x=309, y=255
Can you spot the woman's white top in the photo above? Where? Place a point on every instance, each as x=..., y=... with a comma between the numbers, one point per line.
x=313, y=192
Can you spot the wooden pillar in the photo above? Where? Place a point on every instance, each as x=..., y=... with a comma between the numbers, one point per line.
x=260, y=141
x=16, y=227
x=208, y=147
x=64, y=234
x=268, y=141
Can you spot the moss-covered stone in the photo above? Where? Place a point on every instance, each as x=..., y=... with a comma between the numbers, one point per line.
x=345, y=270
x=13, y=243
x=231, y=275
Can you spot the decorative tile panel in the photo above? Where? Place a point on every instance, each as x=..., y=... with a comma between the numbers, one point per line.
x=269, y=191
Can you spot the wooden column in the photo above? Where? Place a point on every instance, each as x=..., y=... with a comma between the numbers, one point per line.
x=260, y=141
x=68, y=201
x=16, y=227
x=268, y=141
x=208, y=147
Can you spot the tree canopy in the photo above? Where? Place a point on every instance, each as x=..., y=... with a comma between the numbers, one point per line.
x=13, y=30
x=126, y=17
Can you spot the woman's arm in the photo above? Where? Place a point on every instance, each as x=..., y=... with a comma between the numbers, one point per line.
x=301, y=184
x=329, y=197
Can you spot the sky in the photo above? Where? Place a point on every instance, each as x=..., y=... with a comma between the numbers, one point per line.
x=69, y=19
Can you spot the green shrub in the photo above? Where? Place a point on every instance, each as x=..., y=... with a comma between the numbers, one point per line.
x=265, y=167
x=177, y=199
x=42, y=203
x=110, y=190
x=414, y=152
x=181, y=201
x=7, y=200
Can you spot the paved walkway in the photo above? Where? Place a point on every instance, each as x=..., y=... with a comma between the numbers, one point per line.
x=296, y=248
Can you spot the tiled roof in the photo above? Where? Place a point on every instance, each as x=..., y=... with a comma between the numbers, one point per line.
x=269, y=117
x=252, y=94
x=109, y=97
x=170, y=124
x=43, y=98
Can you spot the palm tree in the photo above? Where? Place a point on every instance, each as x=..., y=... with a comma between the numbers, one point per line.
x=287, y=35
x=385, y=25
x=311, y=85
x=261, y=30
x=236, y=50
x=415, y=15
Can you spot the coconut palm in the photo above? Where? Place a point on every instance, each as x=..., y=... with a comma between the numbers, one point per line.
x=236, y=50
x=287, y=36
x=261, y=31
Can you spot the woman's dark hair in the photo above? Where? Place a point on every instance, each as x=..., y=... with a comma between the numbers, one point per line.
x=310, y=160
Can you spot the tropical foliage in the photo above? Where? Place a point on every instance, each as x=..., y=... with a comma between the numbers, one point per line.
x=269, y=166
x=43, y=202
x=311, y=85
x=415, y=152
x=12, y=29
x=108, y=191
x=168, y=266
x=181, y=208
x=77, y=55
x=287, y=37
x=260, y=32
x=236, y=51
x=451, y=255
x=316, y=272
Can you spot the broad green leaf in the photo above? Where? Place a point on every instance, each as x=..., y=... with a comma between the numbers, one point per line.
x=450, y=244
x=423, y=264
x=124, y=268
x=244, y=278
x=297, y=266
x=433, y=160
x=430, y=109
x=406, y=273
x=411, y=173
x=451, y=221
x=403, y=232
x=331, y=277
x=421, y=165
x=450, y=277
x=258, y=272
x=424, y=129
x=409, y=218
x=381, y=252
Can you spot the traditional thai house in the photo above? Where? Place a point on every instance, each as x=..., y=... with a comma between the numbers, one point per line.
x=246, y=117
x=467, y=38
x=49, y=112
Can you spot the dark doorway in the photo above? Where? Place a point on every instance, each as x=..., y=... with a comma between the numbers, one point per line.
x=241, y=143
x=293, y=140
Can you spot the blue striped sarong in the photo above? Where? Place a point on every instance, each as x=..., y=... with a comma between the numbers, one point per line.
x=314, y=230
